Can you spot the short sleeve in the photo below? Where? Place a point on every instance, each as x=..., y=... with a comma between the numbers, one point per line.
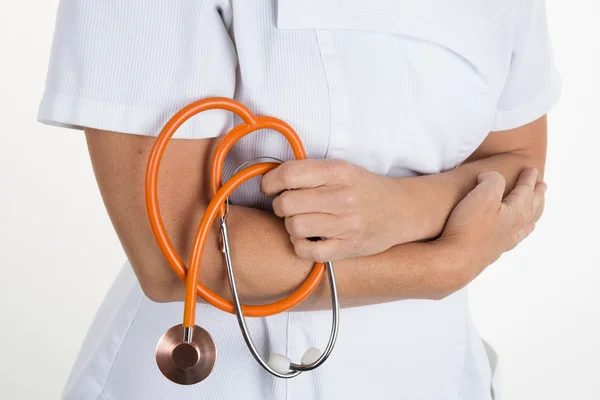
x=533, y=85
x=128, y=66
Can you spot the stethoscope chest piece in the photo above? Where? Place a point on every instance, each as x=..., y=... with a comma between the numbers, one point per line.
x=186, y=362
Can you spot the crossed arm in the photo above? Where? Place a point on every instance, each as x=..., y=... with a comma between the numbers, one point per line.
x=270, y=253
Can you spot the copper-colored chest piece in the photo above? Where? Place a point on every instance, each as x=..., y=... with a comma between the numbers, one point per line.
x=186, y=363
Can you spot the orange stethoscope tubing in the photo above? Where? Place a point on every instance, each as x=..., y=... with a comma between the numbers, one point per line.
x=216, y=207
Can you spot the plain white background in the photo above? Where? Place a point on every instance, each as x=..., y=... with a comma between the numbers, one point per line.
x=539, y=305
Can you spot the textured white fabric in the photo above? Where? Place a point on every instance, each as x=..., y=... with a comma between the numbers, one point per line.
x=400, y=87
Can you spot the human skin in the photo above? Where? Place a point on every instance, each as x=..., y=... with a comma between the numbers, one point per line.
x=423, y=250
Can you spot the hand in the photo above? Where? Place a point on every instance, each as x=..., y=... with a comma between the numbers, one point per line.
x=486, y=226
x=354, y=209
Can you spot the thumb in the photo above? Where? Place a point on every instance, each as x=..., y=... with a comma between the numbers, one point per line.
x=490, y=184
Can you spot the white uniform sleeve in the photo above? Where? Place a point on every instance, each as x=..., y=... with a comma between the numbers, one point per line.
x=533, y=85
x=128, y=66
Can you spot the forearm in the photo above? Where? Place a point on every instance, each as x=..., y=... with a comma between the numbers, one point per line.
x=441, y=192
x=505, y=152
x=267, y=268
x=265, y=261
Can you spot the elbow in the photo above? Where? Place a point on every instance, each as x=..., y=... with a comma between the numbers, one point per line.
x=159, y=289
x=157, y=293
x=448, y=284
x=441, y=295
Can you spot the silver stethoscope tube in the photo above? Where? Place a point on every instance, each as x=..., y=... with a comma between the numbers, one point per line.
x=296, y=369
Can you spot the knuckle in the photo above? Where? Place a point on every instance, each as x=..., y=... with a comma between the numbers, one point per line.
x=295, y=226
x=282, y=204
x=287, y=174
x=346, y=197
x=339, y=168
x=350, y=199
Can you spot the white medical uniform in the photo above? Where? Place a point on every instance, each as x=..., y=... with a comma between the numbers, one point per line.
x=400, y=87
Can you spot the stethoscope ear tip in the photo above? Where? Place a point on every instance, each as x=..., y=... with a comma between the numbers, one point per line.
x=282, y=364
x=310, y=356
x=279, y=363
x=186, y=362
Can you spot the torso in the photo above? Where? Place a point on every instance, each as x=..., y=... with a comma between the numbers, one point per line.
x=398, y=87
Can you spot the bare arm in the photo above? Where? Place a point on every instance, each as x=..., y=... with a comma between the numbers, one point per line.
x=333, y=199
x=507, y=152
x=266, y=262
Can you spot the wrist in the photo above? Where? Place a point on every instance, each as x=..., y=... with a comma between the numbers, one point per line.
x=434, y=197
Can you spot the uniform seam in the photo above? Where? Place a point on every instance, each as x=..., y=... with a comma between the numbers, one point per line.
x=102, y=396
x=509, y=11
x=319, y=45
x=463, y=364
x=287, y=349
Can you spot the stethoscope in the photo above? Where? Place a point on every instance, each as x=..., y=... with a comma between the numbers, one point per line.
x=186, y=353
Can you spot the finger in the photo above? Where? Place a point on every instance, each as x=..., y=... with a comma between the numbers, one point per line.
x=314, y=225
x=323, y=199
x=538, y=200
x=318, y=251
x=490, y=184
x=524, y=187
x=296, y=174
